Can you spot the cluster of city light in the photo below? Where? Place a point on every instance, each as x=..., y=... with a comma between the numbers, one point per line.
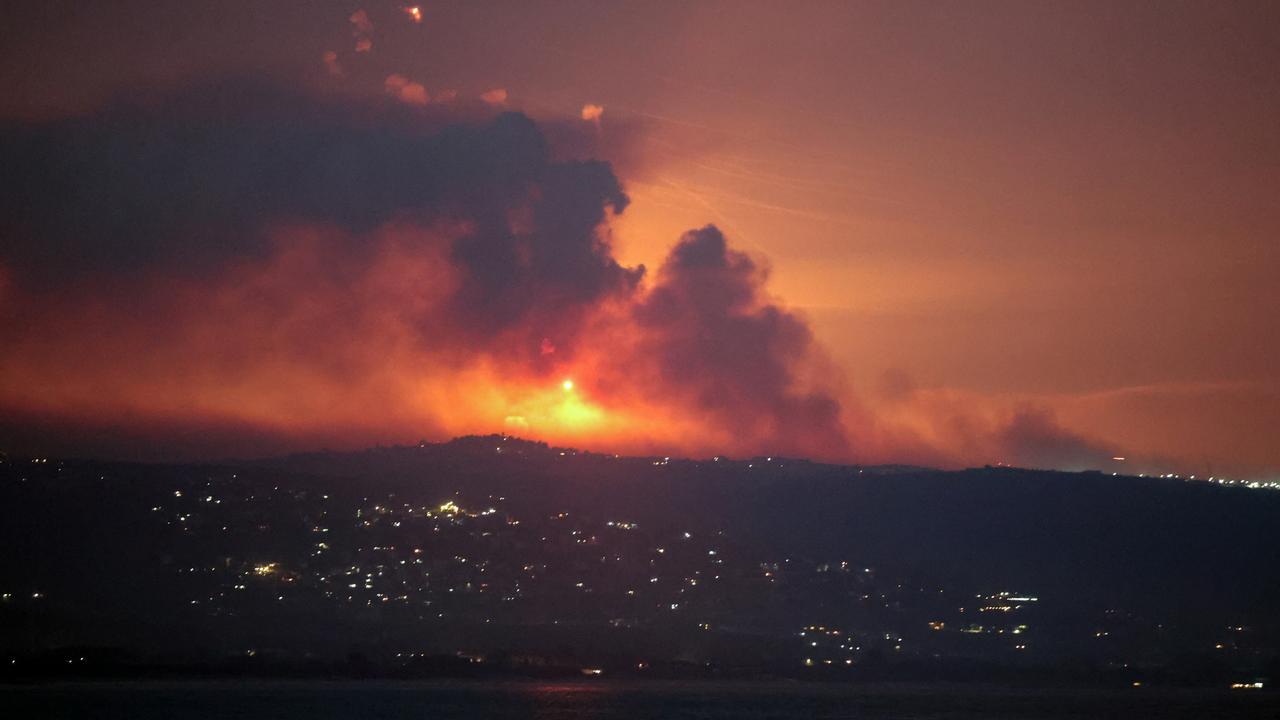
x=369, y=581
x=1251, y=484
x=1006, y=601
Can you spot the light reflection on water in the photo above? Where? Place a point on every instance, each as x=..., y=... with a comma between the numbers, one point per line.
x=605, y=700
x=562, y=701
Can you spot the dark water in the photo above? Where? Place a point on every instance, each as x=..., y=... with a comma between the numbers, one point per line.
x=621, y=701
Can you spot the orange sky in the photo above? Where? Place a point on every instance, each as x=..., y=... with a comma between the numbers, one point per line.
x=980, y=208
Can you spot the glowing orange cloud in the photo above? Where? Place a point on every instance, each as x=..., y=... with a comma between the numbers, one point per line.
x=405, y=90
x=362, y=29
x=281, y=346
x=312, y=344
x=591, y=113
x=332, y=65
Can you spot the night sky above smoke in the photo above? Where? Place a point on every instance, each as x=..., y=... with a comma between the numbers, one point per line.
x=1041, y=235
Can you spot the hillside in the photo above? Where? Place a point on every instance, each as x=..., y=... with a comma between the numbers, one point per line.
x=492, y=548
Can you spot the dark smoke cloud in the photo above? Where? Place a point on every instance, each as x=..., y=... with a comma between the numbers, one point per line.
x=183, y=195
x=240, y=265
x=186, y=178
x=1032, y=437
x=544, y=275
x=722, y=345
x=183, y=182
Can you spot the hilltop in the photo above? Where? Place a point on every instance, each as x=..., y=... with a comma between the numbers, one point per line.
x=520, y=557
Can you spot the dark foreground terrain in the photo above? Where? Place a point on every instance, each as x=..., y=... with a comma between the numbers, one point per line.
x=491, y=558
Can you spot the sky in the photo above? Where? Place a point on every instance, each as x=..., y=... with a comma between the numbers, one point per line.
x=1043, y=234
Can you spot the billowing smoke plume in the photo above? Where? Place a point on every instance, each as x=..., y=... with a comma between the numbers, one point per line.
x=1032, y=437
x=240, y=269
x=241, y=256
x=719, y=344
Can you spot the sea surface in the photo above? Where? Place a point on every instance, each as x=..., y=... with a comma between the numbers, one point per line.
x=312, y=700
